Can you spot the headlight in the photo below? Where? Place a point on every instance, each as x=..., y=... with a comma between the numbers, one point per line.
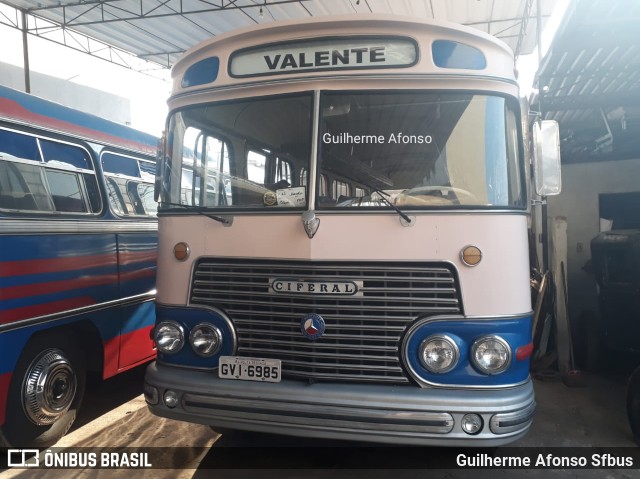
x=491, y=354
x=205, y=339
x=439, y=354
x=169, y=337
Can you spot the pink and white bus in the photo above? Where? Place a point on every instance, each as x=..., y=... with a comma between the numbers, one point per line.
x=343, y=245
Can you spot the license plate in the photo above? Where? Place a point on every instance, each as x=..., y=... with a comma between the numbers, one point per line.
x=250, y=369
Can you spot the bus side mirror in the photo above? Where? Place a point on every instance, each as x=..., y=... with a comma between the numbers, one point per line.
x=546, y=157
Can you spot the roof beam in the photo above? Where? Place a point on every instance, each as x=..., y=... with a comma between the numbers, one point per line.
x=110, y=7
x=54, y=33
x=103, y=2
x=590, y=102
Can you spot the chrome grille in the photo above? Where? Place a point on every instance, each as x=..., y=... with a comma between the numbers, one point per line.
x=363, y=332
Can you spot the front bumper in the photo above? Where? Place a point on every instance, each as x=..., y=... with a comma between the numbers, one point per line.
x=356, y=412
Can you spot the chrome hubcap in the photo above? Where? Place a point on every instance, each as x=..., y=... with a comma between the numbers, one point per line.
x=49, y=388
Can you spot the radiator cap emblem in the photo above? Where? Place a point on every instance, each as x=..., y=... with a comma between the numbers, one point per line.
x=312, y=326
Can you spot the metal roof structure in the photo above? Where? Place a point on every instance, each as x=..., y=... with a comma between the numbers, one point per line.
x=158, y=31
x=590, y=81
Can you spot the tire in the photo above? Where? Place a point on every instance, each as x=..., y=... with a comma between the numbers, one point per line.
x=633, y=404
x=37, y=417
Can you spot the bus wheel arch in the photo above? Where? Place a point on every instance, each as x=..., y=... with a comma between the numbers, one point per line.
x=46, y=391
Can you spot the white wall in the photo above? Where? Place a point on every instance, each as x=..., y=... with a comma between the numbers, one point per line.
x=67, y=93
x=578, y=202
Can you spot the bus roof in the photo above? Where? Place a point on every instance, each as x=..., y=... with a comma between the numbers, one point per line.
x=32, y=110
x=427, y=35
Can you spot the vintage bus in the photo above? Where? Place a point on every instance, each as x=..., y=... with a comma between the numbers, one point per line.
x=78, y=238
x=343, y=252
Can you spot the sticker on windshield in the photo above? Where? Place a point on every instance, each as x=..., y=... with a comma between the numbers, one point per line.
x=292, y=196
x=269, y=198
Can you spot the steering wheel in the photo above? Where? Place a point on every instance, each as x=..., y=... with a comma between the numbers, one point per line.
x=435, y=195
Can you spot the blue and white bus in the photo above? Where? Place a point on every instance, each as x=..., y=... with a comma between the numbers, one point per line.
x=78, y=237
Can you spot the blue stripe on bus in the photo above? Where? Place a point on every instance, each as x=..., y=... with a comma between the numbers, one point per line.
x=59, y=112
x=42, y=278
x=98, y=294
x=30, y=247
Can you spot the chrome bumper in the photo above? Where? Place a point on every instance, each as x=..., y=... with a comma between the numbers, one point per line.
x=357, y=412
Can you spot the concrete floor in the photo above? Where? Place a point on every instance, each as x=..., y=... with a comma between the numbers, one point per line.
x=115, y=415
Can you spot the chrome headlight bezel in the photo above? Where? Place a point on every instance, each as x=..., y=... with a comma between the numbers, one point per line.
x=484, y=370
x=214, y=330
x=455, y=353
x=180, y=339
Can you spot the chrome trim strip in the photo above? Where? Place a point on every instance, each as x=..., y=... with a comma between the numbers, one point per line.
x=480, y=318
x=512, y=421
x=423, y=382
x=404, y=420
x=312, y=172
x=352, y=212
x=140, y=298
x=355, y=77
x=52, y=225
x=351, y=307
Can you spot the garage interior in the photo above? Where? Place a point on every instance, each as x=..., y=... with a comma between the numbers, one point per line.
x=589, y=81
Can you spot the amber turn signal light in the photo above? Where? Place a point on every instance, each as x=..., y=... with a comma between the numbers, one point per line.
x=471, y=255
x=181, y=251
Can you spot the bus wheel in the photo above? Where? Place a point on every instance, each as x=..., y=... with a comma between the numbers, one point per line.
x=46, y=390
x=633, y=404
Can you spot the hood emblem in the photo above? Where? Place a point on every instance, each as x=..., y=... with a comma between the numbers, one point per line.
x=312, y=326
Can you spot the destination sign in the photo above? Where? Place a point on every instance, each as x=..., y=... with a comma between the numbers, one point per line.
x=324, y=54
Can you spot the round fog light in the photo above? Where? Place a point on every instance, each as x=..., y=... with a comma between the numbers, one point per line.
x=439, y=354
x=205, y=339
x=471, y=423
x=170, y=399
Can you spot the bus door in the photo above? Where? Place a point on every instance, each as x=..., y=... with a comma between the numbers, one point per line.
x=129, y=183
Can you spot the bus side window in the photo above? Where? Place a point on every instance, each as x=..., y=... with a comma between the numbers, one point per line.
x=129, y=181
x=324, y=185
x=256, y=166
x=205, y=171
x=61, y=180
x=22, y=185
x=115, y=197
x=340, y=189
x=71, y=177
x=283, y=171
x=14, y=192
x=66, y=191
x=218, y=190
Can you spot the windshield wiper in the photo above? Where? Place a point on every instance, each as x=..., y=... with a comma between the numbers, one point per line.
x=202, y=210
x=384, y=196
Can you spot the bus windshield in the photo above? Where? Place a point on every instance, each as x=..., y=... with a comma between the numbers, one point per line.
x=420, y=149
x=241, y=153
